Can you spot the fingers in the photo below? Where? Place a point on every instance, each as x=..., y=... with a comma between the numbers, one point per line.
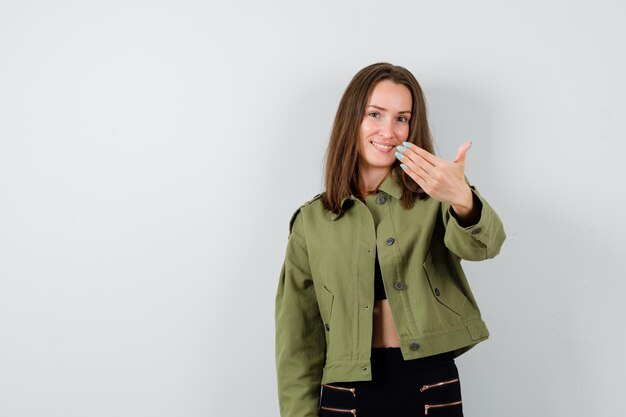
x=461, y=154
x=421, y=166
x=419, y=169
x=417, y=174
x=439, y=178
x=427, y=156
x=419, y=159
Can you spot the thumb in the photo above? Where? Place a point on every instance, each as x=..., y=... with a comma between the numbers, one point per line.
x=461, y=154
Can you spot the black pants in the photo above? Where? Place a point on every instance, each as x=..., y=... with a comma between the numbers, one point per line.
x=418, y=387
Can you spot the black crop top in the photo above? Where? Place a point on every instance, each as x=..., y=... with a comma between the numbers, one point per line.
x=379, y=288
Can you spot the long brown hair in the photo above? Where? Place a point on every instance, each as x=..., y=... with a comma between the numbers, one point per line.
x=341, y=166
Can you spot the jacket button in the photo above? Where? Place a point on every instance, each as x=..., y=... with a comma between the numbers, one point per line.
x=414, y=346
x=390, y=241
x=437, y=293
x=381, y=199
x=476, y=231
x=327, y=326
x=398, y=285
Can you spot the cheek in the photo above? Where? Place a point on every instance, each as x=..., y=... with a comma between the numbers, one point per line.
x=402, y=131
x=366, y=129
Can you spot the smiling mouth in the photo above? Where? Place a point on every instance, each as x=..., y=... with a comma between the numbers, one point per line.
x=381, y=147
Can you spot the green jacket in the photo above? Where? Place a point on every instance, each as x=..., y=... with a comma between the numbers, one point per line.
x=325, y=295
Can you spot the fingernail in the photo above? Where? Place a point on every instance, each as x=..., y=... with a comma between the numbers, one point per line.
x=403, y=166
x=407, y=144
x=399, y=155
x=401, y=148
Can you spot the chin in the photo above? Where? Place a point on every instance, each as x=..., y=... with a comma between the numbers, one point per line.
x=381, y=162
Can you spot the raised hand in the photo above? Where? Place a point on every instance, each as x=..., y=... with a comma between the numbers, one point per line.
x=440, y=179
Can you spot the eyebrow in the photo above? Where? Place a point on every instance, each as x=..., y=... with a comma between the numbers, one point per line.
x=384, y=109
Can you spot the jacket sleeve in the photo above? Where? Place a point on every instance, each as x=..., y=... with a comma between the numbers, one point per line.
x=479, y=241
x=300, y=339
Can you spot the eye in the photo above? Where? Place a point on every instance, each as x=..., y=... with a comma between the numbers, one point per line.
x=374, y=114
x=403, y=119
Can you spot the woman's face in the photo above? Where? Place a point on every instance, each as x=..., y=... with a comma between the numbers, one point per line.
x=385, y=124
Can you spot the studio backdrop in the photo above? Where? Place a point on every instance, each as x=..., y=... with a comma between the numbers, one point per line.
x=152, y=153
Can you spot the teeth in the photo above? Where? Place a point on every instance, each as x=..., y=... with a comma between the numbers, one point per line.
x=384, y=147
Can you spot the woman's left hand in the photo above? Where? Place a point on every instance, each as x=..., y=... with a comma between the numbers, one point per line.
x=441, y=179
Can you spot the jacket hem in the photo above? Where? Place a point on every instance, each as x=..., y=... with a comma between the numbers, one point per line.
x=459, y=340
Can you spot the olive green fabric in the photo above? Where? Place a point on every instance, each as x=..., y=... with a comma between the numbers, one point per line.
x=325, y=295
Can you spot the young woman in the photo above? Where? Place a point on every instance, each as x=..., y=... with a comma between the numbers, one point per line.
x=372, y=304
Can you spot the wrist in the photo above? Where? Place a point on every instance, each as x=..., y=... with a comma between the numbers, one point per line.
x=467, y=214
x=463, y=206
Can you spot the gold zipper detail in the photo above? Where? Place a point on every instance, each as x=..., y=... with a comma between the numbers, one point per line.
x=341, y=410
x=438, y=384
x=429, y=406
x=352, y=390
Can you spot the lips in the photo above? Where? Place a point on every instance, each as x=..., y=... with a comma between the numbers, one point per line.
x=381, y=147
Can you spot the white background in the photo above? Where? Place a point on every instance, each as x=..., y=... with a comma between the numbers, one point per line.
x=151, y=154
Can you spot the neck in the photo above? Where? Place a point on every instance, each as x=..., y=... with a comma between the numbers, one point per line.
x=370, y=179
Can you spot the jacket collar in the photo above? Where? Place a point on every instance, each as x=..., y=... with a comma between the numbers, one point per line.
x=389, y=186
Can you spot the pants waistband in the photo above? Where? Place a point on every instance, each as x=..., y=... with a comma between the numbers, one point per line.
x=391, y=357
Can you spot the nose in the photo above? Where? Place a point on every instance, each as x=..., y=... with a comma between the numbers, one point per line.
x=386, y=130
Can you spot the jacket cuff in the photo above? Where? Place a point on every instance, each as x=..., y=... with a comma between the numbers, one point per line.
x=479, y=241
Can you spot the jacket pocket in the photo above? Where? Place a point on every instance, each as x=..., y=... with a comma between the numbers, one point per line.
x=329, y=297
x=444, y=287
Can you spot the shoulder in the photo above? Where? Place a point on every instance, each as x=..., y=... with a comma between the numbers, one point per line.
x=295, y=213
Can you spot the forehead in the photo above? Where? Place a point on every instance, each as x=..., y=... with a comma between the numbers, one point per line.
x=391, y=96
